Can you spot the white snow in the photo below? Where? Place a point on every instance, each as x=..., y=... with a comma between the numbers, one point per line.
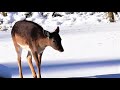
x=92, y=47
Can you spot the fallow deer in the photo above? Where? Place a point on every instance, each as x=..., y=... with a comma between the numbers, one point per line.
x=31, y=36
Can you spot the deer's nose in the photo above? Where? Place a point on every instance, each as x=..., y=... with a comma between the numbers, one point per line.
x=62, y=50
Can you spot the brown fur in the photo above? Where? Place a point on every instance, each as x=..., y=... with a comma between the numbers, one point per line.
x=31, y=36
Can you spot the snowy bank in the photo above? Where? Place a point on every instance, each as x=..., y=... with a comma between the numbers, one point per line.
x=48, y=21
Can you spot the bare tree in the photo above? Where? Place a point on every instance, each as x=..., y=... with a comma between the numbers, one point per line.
x=111, y=17
x=4, y=13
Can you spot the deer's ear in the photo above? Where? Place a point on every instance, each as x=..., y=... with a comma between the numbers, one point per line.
x=47, y=34
x=57, y=29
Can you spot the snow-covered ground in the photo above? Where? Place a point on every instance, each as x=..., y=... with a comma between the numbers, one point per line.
x=92, y=49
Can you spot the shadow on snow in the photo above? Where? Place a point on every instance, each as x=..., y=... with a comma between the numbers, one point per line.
x=66, y=66
x=108, y=76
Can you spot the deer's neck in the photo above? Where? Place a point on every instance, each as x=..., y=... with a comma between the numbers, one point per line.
x=43, y=42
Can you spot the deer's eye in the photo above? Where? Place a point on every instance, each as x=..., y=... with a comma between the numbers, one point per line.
x=54, y=41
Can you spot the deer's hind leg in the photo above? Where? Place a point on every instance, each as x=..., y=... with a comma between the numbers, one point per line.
x=29, y=58
x=19, y=61
x=19, y=52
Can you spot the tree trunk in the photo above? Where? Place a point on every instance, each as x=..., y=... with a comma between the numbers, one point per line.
x=111, y=16
x=4, y=13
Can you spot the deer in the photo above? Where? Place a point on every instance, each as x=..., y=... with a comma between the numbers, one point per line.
x=32, y=37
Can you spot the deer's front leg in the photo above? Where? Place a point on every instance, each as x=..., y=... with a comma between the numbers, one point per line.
x=39, y=58
x=35, y=55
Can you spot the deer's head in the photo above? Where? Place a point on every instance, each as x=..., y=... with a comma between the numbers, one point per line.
x=55, y=40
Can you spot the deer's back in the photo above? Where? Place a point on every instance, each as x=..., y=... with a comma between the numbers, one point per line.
x=27, y=29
